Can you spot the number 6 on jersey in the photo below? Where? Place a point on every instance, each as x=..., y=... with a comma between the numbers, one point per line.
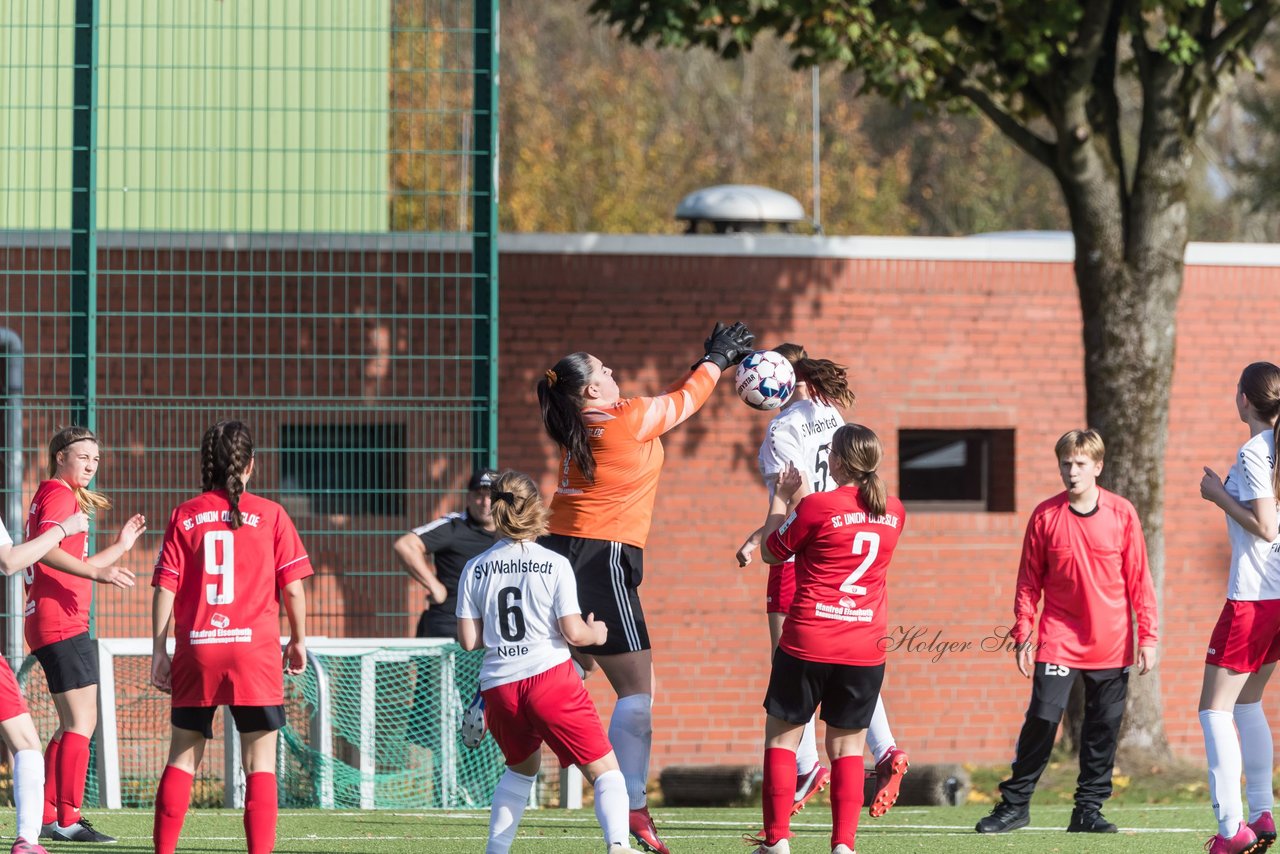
x=220, y=562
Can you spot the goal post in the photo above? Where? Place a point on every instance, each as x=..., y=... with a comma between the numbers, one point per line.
x=371, y=724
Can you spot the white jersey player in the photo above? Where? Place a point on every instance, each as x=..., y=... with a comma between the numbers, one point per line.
x=800, y=435
x=519, y=601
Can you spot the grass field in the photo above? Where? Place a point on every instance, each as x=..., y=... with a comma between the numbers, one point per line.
x=688, y=831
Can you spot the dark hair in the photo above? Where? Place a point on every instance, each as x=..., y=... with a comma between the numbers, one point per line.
x=828, y=382
x=560, y=396
x=225, y=454
x=63, y=439
x=859, y=452
x=518, y=511
x=1260, y=385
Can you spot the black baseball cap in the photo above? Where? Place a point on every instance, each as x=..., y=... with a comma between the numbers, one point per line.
x=482, y=479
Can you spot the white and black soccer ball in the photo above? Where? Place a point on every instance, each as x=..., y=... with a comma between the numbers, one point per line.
x=765, y=380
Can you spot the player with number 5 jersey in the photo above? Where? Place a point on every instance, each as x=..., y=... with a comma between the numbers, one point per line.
x=228, y=560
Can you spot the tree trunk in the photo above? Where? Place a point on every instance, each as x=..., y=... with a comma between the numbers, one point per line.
x=1129, y=266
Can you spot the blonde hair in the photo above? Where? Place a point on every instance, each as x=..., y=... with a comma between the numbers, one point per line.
x=1088, y=442
x=859, y=452
x=518, y=511
x=63, y=439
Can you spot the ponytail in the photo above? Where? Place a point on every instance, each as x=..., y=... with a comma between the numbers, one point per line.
x=828, y=382
x=859, y=453
x=518, y=511
x=1260, y=385
x=225, y=455
x=88, y=500
x=560, y=398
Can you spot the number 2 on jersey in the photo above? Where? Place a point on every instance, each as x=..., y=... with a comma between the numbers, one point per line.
x=220, y=562
x=866, y=542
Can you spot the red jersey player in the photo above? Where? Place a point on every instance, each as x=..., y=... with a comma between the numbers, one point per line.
x=830, y=654
x=228, y=559
x=1084, y=552
x=519, y=601
x=16, y=727
x=59, y=594
x=801, y=435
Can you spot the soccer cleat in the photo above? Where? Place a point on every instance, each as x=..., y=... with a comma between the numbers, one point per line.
x=1004, y=818
x=621, y=848
x=46, y=830
x=1244, y=842
x=782, y=846
x=1089, y=820
x=843, y=849
x=473, y=727
x=1265, y=829
x=809, y=785
x=81, y=831
x=647, y=835
x=889, y=773
x=22, y=846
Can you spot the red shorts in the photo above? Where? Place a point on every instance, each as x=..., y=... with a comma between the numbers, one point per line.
x=12, y=703
x=781, y=588
x=1247, y=636
x=552, y=707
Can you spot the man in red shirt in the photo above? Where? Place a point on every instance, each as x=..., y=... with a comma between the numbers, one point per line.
x=1085, y=553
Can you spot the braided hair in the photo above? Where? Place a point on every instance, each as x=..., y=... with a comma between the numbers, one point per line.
x=225, y=455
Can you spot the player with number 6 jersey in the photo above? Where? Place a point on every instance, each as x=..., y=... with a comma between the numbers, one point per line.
x=228, y=560
x=831, y=655
x=519, y=601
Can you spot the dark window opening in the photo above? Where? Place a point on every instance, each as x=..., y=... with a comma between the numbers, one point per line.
x=345, y=469
x=957, y=469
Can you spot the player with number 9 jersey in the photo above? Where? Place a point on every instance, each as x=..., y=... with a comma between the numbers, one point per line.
x=225, y=583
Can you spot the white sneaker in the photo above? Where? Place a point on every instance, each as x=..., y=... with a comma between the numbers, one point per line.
x=621, y=848
x=782, y=846
x=843, y=849
x=473, y=728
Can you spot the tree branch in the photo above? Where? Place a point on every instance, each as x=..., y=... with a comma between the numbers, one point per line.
x=1240, y=33
x=1090, y=43
x=1026, y=139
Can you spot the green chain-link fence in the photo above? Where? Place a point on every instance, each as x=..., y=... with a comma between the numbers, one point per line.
x=279, y=212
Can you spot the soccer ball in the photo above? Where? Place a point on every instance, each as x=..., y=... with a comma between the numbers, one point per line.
x=765, y=380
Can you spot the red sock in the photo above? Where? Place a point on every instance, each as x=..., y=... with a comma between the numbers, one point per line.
x=846, y=800
x=172, y=800
x=73, y=763
x=778, y=793
x=50, y=783
x=261, y=809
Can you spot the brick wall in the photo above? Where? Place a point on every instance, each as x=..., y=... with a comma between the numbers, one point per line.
x=929, y=343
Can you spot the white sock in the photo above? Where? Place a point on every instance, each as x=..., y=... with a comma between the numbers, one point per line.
x=631, y=734
x=807, y=752
x=509, y=800
x=1222, y=748
x=1256, y=750
x=28, y=792
x=612, y=807
x=879, y=736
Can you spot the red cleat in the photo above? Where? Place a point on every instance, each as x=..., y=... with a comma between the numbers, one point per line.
x=1265, y=829
x=889, y=773
x=645, y=833
x=808, y=785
